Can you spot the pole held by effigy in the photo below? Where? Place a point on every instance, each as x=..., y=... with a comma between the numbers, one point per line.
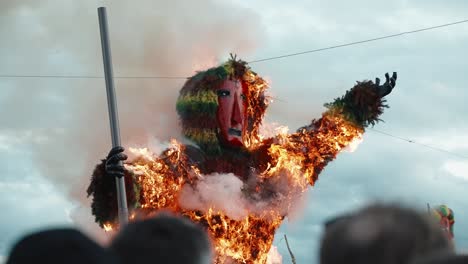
x=113, y=116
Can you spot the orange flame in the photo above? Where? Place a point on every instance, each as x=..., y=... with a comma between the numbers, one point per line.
x=299, y=157
x=293, y=161
x=108, y=227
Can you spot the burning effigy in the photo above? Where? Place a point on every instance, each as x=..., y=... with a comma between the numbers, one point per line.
x=236, y=183
x=446, y=219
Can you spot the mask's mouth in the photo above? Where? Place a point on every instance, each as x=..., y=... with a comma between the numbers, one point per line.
x=234, y=132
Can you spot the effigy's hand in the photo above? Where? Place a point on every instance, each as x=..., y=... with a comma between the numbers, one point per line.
x=388, y=86
x=114, y=162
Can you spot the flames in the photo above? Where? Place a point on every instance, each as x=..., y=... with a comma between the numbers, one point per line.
x=288, y=164
x=108, y=227
x=295, y=158
x=255, y=105
x=246, y=241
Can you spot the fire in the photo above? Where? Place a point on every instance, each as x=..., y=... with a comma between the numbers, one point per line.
x=242, y=240
x=298, y=157
x=108, y=227
x=247, y=240
x=273, y=170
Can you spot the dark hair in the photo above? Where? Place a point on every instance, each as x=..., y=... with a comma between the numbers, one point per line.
x=442, y=259
x=59, y=246
x=334, y=220
x=163, y=239
x=384, y=234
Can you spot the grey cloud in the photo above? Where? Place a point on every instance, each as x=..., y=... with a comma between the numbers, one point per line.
x=58, y=38
x=382, y=170
x=31, y=205
x=53, y=37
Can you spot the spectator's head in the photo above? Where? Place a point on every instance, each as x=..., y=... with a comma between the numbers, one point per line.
x=163, y=239
x=443, y=259
x=381, y=234
x=59, y=246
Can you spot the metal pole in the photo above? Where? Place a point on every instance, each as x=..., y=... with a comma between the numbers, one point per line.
x=113, y=116
x=293, y=259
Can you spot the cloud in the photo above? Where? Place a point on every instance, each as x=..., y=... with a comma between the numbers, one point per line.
x=145, y=42
x=60, y=126
x=31, y=205
x=449, y=139
x=457, y=169
x=12, y=139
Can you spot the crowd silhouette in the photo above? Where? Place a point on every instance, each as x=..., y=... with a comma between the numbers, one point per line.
x=377, y=233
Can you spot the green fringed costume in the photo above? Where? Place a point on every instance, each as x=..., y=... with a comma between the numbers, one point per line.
x=315, y=145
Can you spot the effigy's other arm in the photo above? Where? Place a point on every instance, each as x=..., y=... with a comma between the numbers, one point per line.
x=343, y=122
x=102, y=189
x=152, y=182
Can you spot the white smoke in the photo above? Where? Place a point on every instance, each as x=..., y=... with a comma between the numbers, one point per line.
x=353, y=145
x=226, y=193
x=148, y=38
x=81, y=217
x=274, y=256
x=220, y=192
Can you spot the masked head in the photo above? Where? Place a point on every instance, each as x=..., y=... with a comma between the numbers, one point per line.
x=230, y=114
x=446, y=219
x=223, y=107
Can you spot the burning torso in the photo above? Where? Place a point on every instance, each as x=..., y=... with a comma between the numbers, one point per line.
x=240, y=197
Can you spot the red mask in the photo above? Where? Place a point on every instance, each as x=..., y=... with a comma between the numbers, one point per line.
x=445, y=226
x=231, y=112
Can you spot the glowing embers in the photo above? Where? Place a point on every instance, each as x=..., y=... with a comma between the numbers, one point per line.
x=247, y=240
x=256, y=105
x=108, y=227
x=158, y=181
x=294, y=162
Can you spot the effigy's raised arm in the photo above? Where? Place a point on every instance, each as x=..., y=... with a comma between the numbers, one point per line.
x=344, y=121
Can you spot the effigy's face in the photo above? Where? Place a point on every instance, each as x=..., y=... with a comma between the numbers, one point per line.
x=445, y=226
x=231, y=112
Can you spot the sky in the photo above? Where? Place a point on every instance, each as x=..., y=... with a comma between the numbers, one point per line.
x=54, y=130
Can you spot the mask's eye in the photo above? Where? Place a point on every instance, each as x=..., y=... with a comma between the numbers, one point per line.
x=243, y=97
x=223, y=93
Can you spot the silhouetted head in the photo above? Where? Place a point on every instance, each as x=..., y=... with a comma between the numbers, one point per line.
x=382, y=234
x=59, y=246
x=163, y=239
x=442, y=259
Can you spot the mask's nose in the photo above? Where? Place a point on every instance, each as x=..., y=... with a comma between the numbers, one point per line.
x=236, y=117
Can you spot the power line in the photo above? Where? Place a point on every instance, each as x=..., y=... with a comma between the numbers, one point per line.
x=253, y=61
x=420, y=144
x=274, y=58
x=359, y=42
x=89, y=77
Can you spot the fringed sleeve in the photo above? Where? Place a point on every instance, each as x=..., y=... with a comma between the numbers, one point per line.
x=343, y=122
x=152, y=183
x=103, y=190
